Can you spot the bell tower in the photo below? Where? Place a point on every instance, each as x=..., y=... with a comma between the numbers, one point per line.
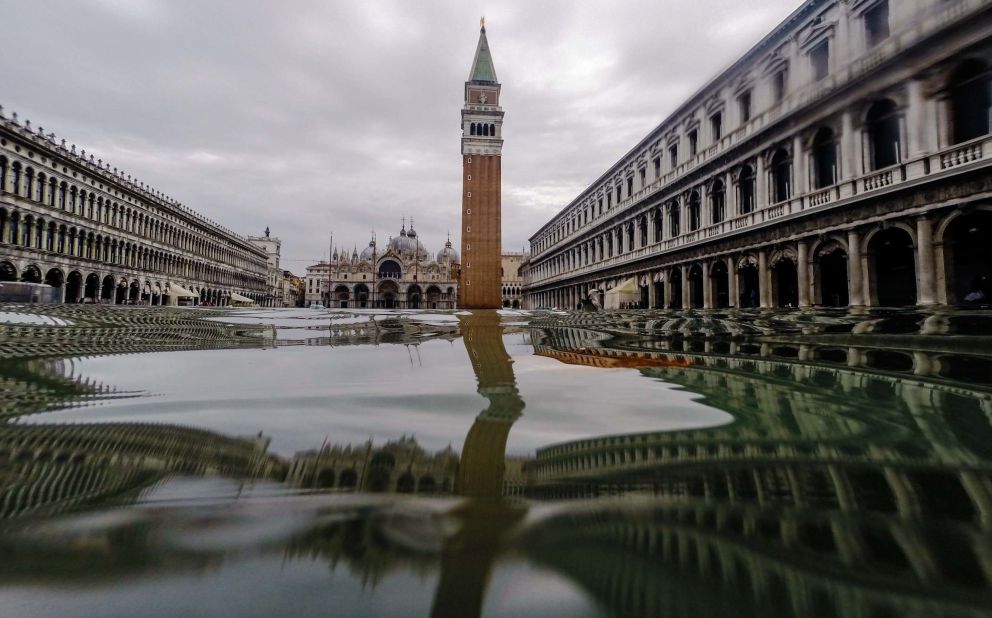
x=482, y=145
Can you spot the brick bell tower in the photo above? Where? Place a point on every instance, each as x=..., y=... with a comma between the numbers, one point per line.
x=482, y=145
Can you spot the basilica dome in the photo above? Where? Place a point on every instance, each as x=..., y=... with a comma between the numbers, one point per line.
x=368, y=253
x=448, y=253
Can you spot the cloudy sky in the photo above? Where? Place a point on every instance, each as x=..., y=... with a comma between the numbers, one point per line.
x=320, y=116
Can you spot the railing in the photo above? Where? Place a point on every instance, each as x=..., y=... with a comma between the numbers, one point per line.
x=878, y=180
x=961, y=155
x=924, y=24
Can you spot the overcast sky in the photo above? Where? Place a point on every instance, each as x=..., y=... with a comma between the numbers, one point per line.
x=318, y=116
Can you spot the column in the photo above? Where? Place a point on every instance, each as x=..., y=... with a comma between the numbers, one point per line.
x=761, y=184
x=707, y=287
x=652, y=297
x=916, y=123
x=802, y=268
x=855, y=280
x=926, y=286
x=685, y=287
x=764, y=289
x=730, y=197
x=848, y=147
x=733, y=287
x=799, y=184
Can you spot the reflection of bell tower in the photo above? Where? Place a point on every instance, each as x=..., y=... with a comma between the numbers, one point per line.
x=482, y=466
x=469, y=555
x=482, y=145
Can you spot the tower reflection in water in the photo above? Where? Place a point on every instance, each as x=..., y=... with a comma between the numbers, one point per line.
x=855, y=479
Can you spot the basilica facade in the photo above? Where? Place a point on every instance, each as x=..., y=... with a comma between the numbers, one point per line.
x=399, y=274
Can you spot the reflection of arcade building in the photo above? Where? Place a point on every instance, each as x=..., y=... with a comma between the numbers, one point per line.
x=402, y=275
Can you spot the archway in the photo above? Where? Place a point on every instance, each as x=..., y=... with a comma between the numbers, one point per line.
x=433, y=296
x=341, y=295
x=830, y=276
x=32, y=274
x=515, y=304
x=380, y=471
x=92, y=287
x=107, y=289
x=747, y=277
x=970, y=101
x=134, y=292
x=675, y=302
x=121, y=293
x=882, y=124
x=720, y=282
x=388, y=293
x=968, y=258
x=645, y=295
x=73, y=287
x=8, y=272
x=892, y=268
x=786, y=290
x=413, y=296
x=696, y=286
x=659, y=292
x=55, y=278
x=362, y=295
x=824, y=158
x=390, y=269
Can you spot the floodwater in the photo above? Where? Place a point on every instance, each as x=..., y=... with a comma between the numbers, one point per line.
x=198, y=462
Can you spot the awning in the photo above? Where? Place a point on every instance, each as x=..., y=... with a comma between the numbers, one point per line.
x=179, y=291
x=626, y=292
x=238, y=298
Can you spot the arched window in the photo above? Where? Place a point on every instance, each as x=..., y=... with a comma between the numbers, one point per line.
x=746, y=190
x=52, y=191
x=718, y=201
x=485, y=130
x=781, y=172
x=3, y=174
x=28, y=182
x=472, y=129
x=62, y=191
x=824, y=158
x=674, y=218
x=492, y=130
x=970, y=101
x=40, y=192
x=658, y=219
x=16, y=173
x=694, y=212
x=882, y=124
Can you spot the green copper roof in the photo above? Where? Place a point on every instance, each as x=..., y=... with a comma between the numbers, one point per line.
x=482, y=66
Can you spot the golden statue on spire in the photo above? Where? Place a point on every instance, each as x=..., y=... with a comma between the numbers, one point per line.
x=482, y=21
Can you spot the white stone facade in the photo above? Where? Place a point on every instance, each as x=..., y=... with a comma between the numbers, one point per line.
x=400, y=274
x=844, y=160
x=69, y=220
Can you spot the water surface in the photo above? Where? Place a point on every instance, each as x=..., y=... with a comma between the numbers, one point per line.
x=159, y=461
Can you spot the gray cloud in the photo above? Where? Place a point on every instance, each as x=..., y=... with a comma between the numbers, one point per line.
x=311, y=117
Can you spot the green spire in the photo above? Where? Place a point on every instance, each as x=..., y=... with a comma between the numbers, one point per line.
x=482, y=67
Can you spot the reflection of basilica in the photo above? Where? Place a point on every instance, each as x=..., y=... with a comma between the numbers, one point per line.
x=401, y=274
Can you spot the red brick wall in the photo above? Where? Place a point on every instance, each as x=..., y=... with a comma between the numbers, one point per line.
x=479, y=287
